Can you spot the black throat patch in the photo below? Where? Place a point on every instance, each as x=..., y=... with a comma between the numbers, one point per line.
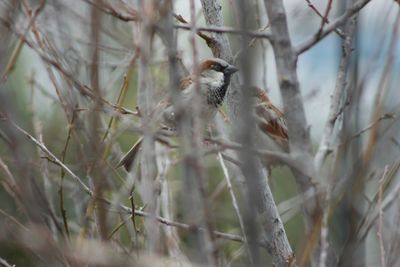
x=216, y=96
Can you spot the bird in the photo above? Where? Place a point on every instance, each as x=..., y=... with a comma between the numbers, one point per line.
x=213, y=78
x=270, y=121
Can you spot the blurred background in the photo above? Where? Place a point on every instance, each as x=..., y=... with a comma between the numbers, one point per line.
x=48, y=53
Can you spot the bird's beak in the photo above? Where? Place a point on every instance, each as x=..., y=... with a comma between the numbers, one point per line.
x=230, y=69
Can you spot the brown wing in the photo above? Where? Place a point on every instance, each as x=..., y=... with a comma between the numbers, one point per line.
x=185, y=82
x=167, y=101
x=272, y=122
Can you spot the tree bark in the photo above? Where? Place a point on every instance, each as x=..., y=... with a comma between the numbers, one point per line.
x=260, y=193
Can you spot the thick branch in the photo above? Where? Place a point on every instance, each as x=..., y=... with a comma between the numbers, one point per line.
x=278, y=245
x=299, y=136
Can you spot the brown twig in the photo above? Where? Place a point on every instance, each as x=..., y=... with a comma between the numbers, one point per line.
x=324, y=18
x=84, y=90
x=14, y=55
x=71, y=126
x=123, y=208
x=205, y=37
x=110, y=10
x=386, y=116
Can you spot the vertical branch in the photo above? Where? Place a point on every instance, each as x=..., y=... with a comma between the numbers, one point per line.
x=326, y=140
x=380, y=219
x=336, y=97
x=260, y=202
x=286, y=64
x=232, y=193
x=192, y=129
x=244, y=128
x=299, y=136
x=171, y=235
x=197, y=206
x=145, y=98
x=95, y=145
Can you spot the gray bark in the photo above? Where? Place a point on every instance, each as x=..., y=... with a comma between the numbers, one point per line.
x=260, y=202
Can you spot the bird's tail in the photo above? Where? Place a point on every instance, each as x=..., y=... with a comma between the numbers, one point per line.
x=129, y=158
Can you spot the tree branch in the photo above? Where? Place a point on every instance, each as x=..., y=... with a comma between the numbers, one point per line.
x=299, y=136
x=278, y=244
x=123, y=208
x=331, y=27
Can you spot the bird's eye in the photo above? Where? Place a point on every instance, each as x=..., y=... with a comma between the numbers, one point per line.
x=216, y=67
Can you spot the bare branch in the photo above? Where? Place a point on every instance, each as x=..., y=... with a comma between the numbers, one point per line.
x=141, y=213
x=325, y=143
x=232, y=193
x=279, y=246
x=331, y=27
x=5, y=263
x=299, y=136
x=221, y=29
x=324, y=18
x=336, y=98
x=380, y=218
x=53, y=158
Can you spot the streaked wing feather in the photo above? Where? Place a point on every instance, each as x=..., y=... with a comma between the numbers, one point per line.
x=272, y=122
x=185, y=82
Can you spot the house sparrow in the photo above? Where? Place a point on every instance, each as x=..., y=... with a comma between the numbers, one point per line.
x=213, y=80
x=270, y=120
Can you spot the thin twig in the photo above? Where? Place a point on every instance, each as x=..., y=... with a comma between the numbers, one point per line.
x=380, y=218
x=136, y=17
x=220, y=29
x=324, y=18
x=205, y=37
x=385, y=116
x=281, y=157
x=232, y=193
x=123, y=208
x=53, y=157
x=83, y=89
x=14, y=55
x=5, y=263
x=110, y=10
x=61, y=187
x=331, y=27
x=389, y=199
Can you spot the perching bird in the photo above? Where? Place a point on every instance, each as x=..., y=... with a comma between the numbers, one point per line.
x=213, y=81
x=270, y=121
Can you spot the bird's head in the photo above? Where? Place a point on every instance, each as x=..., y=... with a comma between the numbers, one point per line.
x=258, y=94
x=215, y=74
x=211, y=65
